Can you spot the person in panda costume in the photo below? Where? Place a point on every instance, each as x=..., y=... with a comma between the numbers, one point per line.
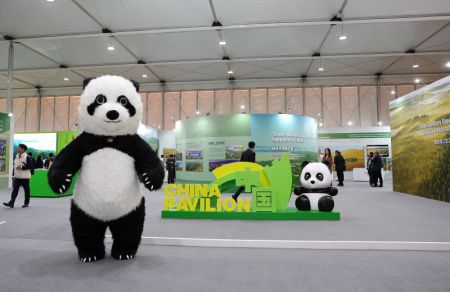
x=315, y=192
x=112, y=160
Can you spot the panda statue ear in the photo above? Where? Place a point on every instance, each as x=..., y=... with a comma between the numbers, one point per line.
x=304, y=163
x=86, y=81
x=135, y=84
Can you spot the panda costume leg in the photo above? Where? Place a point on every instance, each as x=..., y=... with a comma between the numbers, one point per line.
x=127, y=232
x=88, y=234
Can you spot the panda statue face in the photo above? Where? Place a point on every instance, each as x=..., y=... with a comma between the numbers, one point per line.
x=315, y=175
x=110, y=106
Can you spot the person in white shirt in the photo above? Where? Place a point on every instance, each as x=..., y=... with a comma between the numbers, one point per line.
x=21, y=176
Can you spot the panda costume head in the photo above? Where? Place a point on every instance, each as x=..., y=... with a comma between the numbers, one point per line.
x=315, y=191
x=110, y=105
x=315, y=175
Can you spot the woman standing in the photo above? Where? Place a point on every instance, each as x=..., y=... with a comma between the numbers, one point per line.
x=328, y=159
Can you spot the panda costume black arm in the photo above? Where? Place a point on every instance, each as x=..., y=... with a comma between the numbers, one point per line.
x=66, y=164
x=148, y=166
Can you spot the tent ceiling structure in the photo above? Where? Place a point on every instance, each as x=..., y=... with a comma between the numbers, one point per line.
x=269, y=43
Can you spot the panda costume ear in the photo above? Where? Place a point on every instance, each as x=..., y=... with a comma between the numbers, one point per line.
x=135, y=84
x=86, y=81
x=304, y=163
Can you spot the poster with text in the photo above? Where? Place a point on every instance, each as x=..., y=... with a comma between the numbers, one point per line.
x=420, y=123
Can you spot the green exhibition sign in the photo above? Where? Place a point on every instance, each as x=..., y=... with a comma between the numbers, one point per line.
x=5, y=122
x=271, y=189
x=420, y=125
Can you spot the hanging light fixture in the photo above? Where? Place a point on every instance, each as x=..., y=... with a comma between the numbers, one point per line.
x=343, y=36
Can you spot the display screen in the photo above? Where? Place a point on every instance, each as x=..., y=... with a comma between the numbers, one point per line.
x=38, y=143
x=382, y=149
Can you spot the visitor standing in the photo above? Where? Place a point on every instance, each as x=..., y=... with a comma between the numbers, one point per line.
x=328, y=159
x=248, y=155
x=370, y=169
x=377, y=167
x=39, y=163
x=48, y=163
x=21, y=176
x=339, y=166
x=170, y=166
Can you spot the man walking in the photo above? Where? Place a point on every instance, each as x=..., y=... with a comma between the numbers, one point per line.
x=339, y=165
x=248, y=155
x=21, y=176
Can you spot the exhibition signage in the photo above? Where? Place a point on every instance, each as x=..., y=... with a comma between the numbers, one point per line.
x=206, y=143
x=270, y=188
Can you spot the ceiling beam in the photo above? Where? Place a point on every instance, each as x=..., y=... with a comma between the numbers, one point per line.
x=330, y=77
x=237, y=60
x=347, y=21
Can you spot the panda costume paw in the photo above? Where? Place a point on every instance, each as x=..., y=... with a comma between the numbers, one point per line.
x=60, y=182
x=315, y=191
x=111, y=160
x=151, y=180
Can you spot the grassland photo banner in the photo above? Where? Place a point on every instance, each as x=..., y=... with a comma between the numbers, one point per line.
x=420, y=125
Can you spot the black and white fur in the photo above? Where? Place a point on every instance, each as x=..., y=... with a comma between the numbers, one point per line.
x=315, y=192
x=112, y=160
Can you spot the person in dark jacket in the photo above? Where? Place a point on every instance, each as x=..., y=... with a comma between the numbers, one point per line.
x=170, y=167
x=248, y=155
x=370, y=167
x=39, y=163
x=339, y=166
x=377, y=166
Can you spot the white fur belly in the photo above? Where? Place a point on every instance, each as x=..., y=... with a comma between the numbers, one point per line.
x=108, y=186
x=314, y=200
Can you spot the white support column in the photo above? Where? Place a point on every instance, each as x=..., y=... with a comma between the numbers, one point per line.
x=9, y=109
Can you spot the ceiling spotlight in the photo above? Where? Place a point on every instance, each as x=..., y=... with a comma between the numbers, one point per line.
x=447, y=64
x=320, y=68
x=66, y=78
x=111, y=48
x=197, y=112
x=230, y=71
x=144, y=75
x=415, y=66
x=417, y=80
x=318, y=114
x=380, y=123
x=393, y=92
x=350, y=123
x=320, y=124
x=222, y=43
x=10, y=114
x=49, y=0
x=242, y=106
x=159, y=127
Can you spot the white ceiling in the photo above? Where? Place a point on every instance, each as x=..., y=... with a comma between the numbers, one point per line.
x=270, y=43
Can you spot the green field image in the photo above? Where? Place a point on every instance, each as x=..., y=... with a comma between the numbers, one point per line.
x=420, y=166
x=296, y=158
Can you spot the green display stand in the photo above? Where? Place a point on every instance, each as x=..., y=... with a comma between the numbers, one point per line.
x=39, y=186
x=289, y=214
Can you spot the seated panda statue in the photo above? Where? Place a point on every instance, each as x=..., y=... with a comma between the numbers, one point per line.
x=315, y=191
x=112, y=160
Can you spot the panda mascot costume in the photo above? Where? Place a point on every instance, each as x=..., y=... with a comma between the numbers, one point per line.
x=112, y=160
x=315, y=192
